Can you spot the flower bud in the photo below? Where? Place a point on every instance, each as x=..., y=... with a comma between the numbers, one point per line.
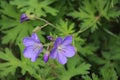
x=23, y=18
x=50, y=38
x=46, y=57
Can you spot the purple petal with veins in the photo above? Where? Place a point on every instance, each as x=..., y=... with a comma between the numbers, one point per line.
x=33, y=47
x=62, y=49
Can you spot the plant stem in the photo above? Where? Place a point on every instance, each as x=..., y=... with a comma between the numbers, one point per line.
x=47, y=22
x=39, y=27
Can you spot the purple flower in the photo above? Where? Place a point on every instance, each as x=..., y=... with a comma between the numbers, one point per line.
x=62, y=49
x=46, y=56
x=23, y=18
x=33, y=47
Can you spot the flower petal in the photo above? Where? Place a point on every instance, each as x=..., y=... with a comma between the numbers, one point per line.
x=27, y=41
x=35, y=37
x=36, y=54
x=32, y=52
x=68, y=51
x=61, y=58
x=67, y=40
x=29, y=52
x=57, y=42
x=53, y=53
x=34, y=57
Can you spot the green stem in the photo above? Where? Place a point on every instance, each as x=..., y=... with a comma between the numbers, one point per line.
x=47, y=22
x=39, y=27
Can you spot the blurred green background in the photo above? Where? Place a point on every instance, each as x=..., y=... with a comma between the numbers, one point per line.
x=94, y=24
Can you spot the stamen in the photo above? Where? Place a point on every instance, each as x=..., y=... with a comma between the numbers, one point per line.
x=37, y=46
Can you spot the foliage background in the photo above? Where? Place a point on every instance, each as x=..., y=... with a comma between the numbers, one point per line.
x=94, y=24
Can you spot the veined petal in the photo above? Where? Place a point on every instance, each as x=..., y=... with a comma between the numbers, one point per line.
x=34, y=57
x=28, y=41
x=57, y=42
x=53, y=53
x=29, y=52
x=40, y=50
x=35, y=37
x=36, y=53
x=61, y=58
x=67, y=40
x=68, y=51
x=32, y=52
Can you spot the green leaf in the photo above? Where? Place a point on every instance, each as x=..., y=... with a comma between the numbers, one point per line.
x=11, y=63
x=91, y=12
x=114, y=13
x=74, y=67
x=94, y=77
x=87, y=15
x=8, y=67
x=65, y=28
x=87, y=50
x=108, y=72
x=14, y=30
x=39, y=8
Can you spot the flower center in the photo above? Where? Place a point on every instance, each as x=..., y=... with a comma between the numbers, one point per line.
x=37, y=46
x=61, y=49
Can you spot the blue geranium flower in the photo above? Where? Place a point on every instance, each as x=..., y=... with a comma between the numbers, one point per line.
x=62, y=49
x=33, y=47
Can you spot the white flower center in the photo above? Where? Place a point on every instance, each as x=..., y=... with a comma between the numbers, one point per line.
x=61, y=49
x=37, y=46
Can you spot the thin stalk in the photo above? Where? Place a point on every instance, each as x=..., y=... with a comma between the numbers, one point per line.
x=39, y=27
x=47, y=22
